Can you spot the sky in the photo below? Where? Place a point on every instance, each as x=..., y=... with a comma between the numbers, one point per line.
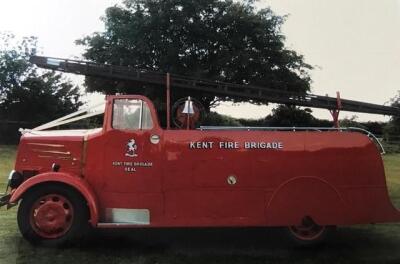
x=354, y=45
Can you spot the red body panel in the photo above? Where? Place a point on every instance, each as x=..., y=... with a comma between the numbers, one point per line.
x=225, y=178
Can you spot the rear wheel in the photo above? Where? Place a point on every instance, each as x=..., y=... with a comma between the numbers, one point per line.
x=53, y=215
x=309, y=233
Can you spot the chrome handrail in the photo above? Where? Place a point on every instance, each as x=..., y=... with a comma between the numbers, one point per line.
x=369, y=134
x=294, y=129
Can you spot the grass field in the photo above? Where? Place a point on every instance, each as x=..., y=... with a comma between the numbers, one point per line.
x=358, y=244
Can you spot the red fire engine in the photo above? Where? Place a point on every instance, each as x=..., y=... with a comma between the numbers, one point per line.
x=132, y=173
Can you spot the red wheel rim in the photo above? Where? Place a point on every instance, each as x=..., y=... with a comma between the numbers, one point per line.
x=51, y=216
x=308, y=230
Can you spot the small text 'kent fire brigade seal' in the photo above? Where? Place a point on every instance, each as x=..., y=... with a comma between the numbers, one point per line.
x=235, y=145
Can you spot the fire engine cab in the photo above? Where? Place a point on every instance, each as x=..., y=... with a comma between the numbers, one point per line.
x=132, y=173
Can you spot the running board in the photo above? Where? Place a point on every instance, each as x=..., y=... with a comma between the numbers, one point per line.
x=126, y=216
x=120, y=225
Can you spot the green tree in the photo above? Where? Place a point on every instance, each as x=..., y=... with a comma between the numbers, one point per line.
x=26, y=93
x=392, y=129
x=285, y=116
x=222, y=40
x=351, y=122
x=215, y=119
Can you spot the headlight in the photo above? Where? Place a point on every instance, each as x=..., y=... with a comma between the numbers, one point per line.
x=15, y=179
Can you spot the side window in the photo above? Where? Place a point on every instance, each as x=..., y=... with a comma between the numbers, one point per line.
x=131, y=114
x=147, y=120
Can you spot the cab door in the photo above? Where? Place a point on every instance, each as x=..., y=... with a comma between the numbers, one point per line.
x=132, y=157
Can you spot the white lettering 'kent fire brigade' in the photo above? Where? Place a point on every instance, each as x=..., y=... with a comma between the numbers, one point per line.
x=131, y=148
x=235, y=145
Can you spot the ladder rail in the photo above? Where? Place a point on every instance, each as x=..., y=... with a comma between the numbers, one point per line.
x=216, y=87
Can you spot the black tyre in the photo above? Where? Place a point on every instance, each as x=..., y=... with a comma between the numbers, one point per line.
x=309, y=234
x=53, y=215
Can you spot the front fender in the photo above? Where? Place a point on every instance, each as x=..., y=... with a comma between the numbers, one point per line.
x=75, y=182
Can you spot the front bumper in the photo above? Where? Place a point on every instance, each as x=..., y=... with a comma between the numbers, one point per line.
x=14, y=180
x=5, y=199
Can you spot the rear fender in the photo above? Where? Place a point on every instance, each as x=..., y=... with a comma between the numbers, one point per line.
x=307, y=196
x=75, y=182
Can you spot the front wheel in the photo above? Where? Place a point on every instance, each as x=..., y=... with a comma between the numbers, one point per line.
x=308, y=233
x=53, y=215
